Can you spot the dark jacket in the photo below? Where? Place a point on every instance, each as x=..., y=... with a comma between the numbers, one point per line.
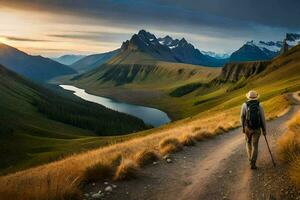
x=244, y=113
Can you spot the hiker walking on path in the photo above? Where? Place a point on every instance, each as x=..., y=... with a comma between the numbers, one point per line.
x=253, y=123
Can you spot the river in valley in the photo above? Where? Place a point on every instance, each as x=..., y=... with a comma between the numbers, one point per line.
x=149, y=115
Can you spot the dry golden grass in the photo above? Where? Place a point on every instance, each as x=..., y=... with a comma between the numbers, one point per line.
x=288, y=149
x=202, y=135
x=104, y=169
x=287, y=146
x=98, y=171
x=60, y=179
x=128, y=169
x=170, y=145
x=187, y=140
x=294, y=171
x=146, y=157
x=220, y=130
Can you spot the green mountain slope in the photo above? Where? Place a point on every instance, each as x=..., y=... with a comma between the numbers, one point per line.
x=36, y=68
x=270, y=79
x=38, y=125
x=184, y=97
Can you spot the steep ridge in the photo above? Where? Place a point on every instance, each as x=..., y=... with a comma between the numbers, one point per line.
x=90, y=62
x=36, y=68
x=233, y=72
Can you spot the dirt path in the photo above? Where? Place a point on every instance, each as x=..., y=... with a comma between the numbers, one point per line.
x=213, y=169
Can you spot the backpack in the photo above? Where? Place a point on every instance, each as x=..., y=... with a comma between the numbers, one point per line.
x=253, y=120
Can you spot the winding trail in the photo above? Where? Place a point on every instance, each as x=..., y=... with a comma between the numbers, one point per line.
x=214, y=169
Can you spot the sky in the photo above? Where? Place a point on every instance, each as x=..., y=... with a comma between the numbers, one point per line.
x=57, y=27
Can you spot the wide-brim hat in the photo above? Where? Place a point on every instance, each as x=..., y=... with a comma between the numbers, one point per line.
x=252, y=95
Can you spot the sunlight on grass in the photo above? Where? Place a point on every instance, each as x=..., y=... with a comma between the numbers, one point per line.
x=72, y=170
x=288, y=149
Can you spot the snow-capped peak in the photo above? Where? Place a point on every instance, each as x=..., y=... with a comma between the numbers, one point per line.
x=167, y=40
x=292, y=39
x=216, y=55
x=271, y=46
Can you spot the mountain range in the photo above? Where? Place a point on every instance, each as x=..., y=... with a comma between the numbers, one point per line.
x=146, y=46
x=161, y=49
x=37, y=68
x=68, y=59
x=171, y=50
x=181, y=51
x=261, y=50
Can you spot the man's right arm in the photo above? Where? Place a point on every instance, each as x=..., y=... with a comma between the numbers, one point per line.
x=243, y=116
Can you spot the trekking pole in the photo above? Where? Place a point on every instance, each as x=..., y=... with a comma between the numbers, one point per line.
x=274, y=164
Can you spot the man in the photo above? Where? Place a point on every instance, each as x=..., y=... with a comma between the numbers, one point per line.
x=253, y=122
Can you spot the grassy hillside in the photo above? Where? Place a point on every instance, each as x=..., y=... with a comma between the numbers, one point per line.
x=138, y=78
x=272, y=79
x=62, y=179
x=38, y=126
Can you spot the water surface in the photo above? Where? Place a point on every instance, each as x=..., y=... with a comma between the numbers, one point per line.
x=149, y=115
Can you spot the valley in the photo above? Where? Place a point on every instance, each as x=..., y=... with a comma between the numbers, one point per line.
x=40, y=126
x=208, y=99
x=108, y=104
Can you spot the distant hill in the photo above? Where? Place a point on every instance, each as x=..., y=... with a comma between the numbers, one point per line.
x=90, y=62
x=38, y=125
x=68, y=59
x=36, y=68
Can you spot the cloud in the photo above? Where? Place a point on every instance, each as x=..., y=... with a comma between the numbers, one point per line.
x=207, y=12
x=230, y=22
x=96, y=36
x=267, y=12
x=21, y=39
